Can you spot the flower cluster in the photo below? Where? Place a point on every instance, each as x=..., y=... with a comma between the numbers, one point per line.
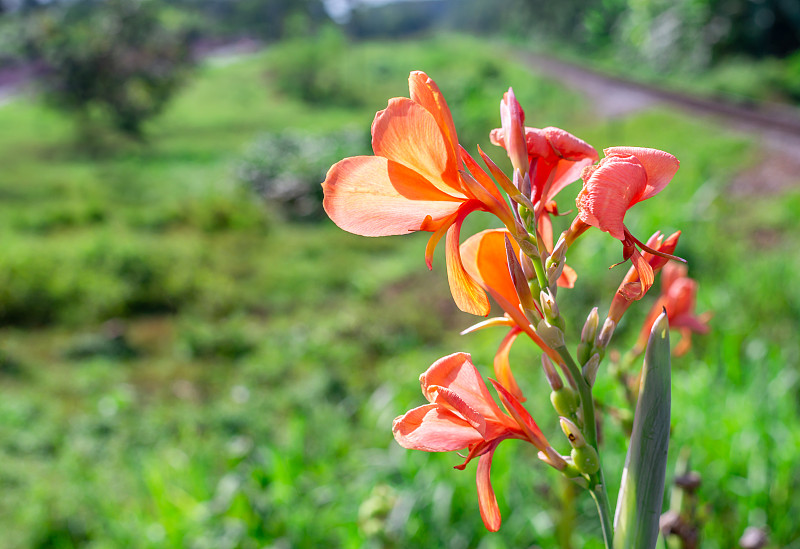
x=421, y=179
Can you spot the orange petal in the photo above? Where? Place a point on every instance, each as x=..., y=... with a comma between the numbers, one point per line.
x=425, y=92
x=646, y=276
x=457, y=373
x=490, y=512
x=521, y=416
x=432, y=428
x=659, y=165
x=502, y=366
x=482, y=177
x=567, y=278
x=373, y=196
x=453, y=401
x=569, y=147
x=467, y=294
x=608, y=193
x=407, y=133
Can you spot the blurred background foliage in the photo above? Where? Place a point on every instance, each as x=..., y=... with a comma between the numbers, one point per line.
x=191, y=355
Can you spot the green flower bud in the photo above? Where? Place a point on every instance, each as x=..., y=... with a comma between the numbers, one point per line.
x=565, y=401
x=586, y=459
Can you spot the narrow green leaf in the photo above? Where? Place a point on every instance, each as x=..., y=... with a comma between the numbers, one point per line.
x=642, y=491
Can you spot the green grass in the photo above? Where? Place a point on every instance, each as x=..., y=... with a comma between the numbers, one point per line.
x=244, y=393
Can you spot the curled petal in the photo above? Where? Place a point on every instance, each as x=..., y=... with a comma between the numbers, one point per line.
x=373, y=196
x=490, y=512
x=646, y=276
x=432, y=428
x=457, y=373
x=608, y=192
x=451, y=400
x=569, y=147
x=659, y=165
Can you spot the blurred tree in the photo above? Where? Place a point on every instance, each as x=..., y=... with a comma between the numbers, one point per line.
x=113, y=59
x=266, y=20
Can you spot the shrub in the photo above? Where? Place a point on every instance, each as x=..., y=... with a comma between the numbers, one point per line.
x=286, y=168
x=114, y=59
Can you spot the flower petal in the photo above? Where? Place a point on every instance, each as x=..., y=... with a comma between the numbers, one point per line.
x=467, y=293
x=609, y=191
x=432, y=428
x=522, y=417
x=457, y=373
x=424, y=91
x=659, y=165
x=373, y=196
x=407, y=133
x=502, y=366
x=490, y=512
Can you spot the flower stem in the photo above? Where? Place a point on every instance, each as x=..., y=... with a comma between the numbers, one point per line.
x=597, y=486
x=600, y=497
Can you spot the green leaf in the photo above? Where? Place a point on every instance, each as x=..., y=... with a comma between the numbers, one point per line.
x=642, y=490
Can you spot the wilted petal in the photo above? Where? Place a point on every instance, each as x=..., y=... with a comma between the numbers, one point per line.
x=433, y=428
x=407, y=133
x=659, y=165
x=608, y=193
x=373, y=196
x=569, y=147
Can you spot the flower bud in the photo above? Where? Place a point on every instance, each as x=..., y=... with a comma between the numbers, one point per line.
x=528, y=247
x=586, y=459
x=553, y=458
x=565, y=401
x=527, y=265
x=574, y=434
x=549, y=306
x=590, y=369
x=553, y=379
x=552, y=336
x=589, y=330
x=604, y=337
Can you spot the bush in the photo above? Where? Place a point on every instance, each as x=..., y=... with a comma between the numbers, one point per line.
x=111, y=59
x=287, y=168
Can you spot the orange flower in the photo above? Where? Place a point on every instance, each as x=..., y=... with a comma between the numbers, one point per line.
x=630, y=289
x=484, y=256
x=625, y=176
x=552, y=157
x=414, y=183
x=463, y=415
x=678, y=297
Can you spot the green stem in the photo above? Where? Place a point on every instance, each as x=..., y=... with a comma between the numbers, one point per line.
x=597, y=486
x=600, y=497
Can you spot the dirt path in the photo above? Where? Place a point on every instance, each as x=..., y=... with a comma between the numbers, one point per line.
x=777, y=129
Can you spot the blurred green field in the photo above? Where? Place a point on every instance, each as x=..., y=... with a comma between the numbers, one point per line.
x=186, y=365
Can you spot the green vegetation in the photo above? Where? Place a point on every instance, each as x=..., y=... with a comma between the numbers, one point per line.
x=184, y=365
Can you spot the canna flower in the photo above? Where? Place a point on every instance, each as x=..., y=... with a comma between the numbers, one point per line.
x=414, y=183
x=461, y=414
x=553, y=158
x=485, y=259
x=625, y=176
x=630, y=289
x=678, y=298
